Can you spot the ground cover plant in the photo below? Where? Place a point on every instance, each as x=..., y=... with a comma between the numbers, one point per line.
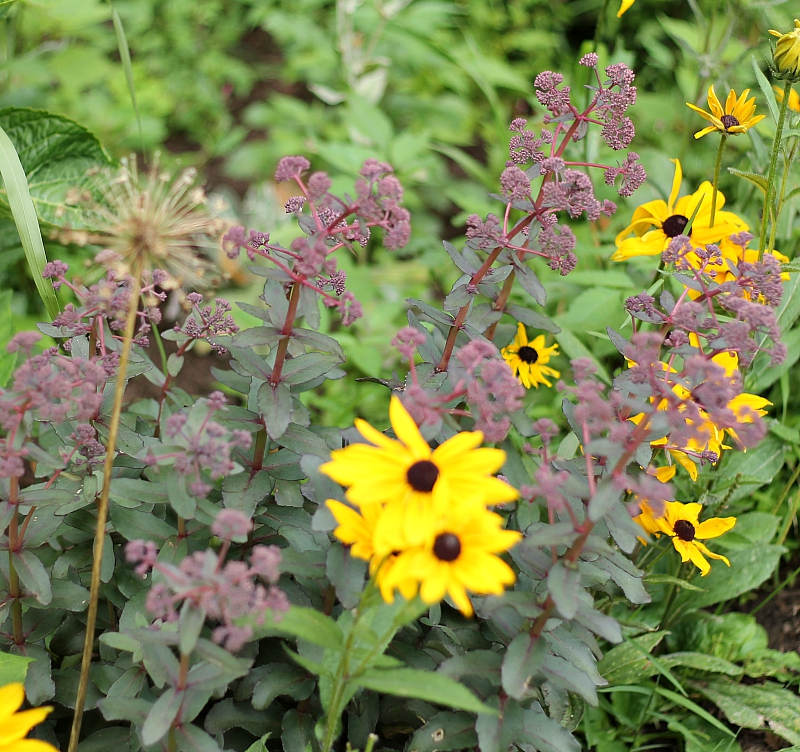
x=308, y=443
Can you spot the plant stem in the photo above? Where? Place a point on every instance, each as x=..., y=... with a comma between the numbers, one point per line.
x=102, y=507
x=161, y=351
x=13, y=577
x=773, y=162
x=722, y=140
x=283, y=345
x=600, y=28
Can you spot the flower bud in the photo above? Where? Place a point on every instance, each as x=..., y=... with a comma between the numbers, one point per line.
x=786, y=56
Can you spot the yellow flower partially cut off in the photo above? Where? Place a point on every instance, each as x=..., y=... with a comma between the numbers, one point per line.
x=14, y=725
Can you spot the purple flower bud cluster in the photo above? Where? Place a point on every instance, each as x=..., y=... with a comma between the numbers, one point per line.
x=525, y=146
x=558, y=243
x=632, y=173
x=407, y=340
x=53, y=388
x=207, y=322
x=225, y=591
x=484, y=236
x=199, y=446
x=556, y=100
x=492, y=390
x=574, y=193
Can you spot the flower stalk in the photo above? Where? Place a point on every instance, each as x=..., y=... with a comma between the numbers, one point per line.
x=773, y=163
x=102, y=506
x=722, y=140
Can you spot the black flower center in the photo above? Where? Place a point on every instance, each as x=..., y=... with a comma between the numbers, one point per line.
x=422, y=475
x=684, y=530
x=675, y=225
x=729, y=120
x=527, y=354
x=447, y=547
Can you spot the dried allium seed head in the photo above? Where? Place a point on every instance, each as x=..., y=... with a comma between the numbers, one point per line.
x=155, y=220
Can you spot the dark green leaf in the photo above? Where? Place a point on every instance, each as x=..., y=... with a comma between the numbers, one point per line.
x=445, y=731
x=522, y=661
x=282, y=679
x=564, y=586
x=275, y=406
x=425, y=685
x=161, y=716
x=625, y=663
x=33, y=575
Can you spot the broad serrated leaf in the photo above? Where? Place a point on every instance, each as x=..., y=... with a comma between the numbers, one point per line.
x=757, y=180
x=523, y=659
x=625, y=663
x=33, y=575
x=282, y=679
x=564, y=586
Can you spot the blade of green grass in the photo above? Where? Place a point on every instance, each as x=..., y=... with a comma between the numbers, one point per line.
x=24, y=213
x=125, y=57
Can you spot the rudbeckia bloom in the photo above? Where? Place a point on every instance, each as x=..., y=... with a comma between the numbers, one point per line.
x=460, y=555
x=528, y=359
x=787, y=50
x=414, y=482
x=655, y=223
x=15, y=726
x=794, y=98
x=681, y=523
x=358, y=531
x=736, y=117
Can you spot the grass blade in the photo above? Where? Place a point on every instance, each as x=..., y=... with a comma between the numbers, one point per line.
x=24, y=213
x=125, y=57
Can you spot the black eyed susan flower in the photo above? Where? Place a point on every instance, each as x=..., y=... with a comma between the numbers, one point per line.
x=736, y=116
x=14, y=726
x=794, y=98
x=787, y=51
x=413, y=483
x=655, y=223
x=681, y=523
x=460, y=555
x=528, y=360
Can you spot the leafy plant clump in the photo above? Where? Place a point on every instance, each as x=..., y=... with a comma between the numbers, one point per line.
x=520, y=551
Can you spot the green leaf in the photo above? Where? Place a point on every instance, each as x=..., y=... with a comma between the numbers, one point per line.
x=424, y=685
x=282, y=679
x=13, y=668
x=8, y=361
x=701, y=662
x=685, y=702
x=190, y=738
x=18, y=195
x=749, y=568
x=625, y=663
x=756, y=706
x=305, y=623
x=564, y=586
x=769, y=94
x=275, y=405
x=33, y=575
x=758, y=180
x=523, y=659
x=445, y=731
x=668, y=579
x=125, y=59
x=56, y=153
x=161, y=716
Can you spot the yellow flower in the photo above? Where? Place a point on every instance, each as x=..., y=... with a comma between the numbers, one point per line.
x=709, y=436
x=358, y=531
x=14, y=726
x=736, y=117
x=787, y=50
x=626, y=4
x=794, y=98
x=413, y=482
x=460, y=556
x=655, y=223
x=736, y=254
x=681, y=523
x=528, y=359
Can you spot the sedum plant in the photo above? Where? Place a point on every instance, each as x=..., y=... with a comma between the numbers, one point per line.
x=263, y=582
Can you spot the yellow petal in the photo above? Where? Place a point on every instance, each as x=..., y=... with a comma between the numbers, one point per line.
x=406, y=429
x=714, y=527
x=521, y=338
x=625, y=6
x=713, y=102
x=15, y=727
x=11, y=698
x=690, y=551
x=676, y=185
x=705, y=131
x=711, y=555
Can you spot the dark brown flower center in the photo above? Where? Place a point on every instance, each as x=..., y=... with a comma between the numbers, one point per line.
x=729, y=120
x=684, y=530
x=527, y=354
x=675, y=225
x=447, y=547
x=422, y=475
